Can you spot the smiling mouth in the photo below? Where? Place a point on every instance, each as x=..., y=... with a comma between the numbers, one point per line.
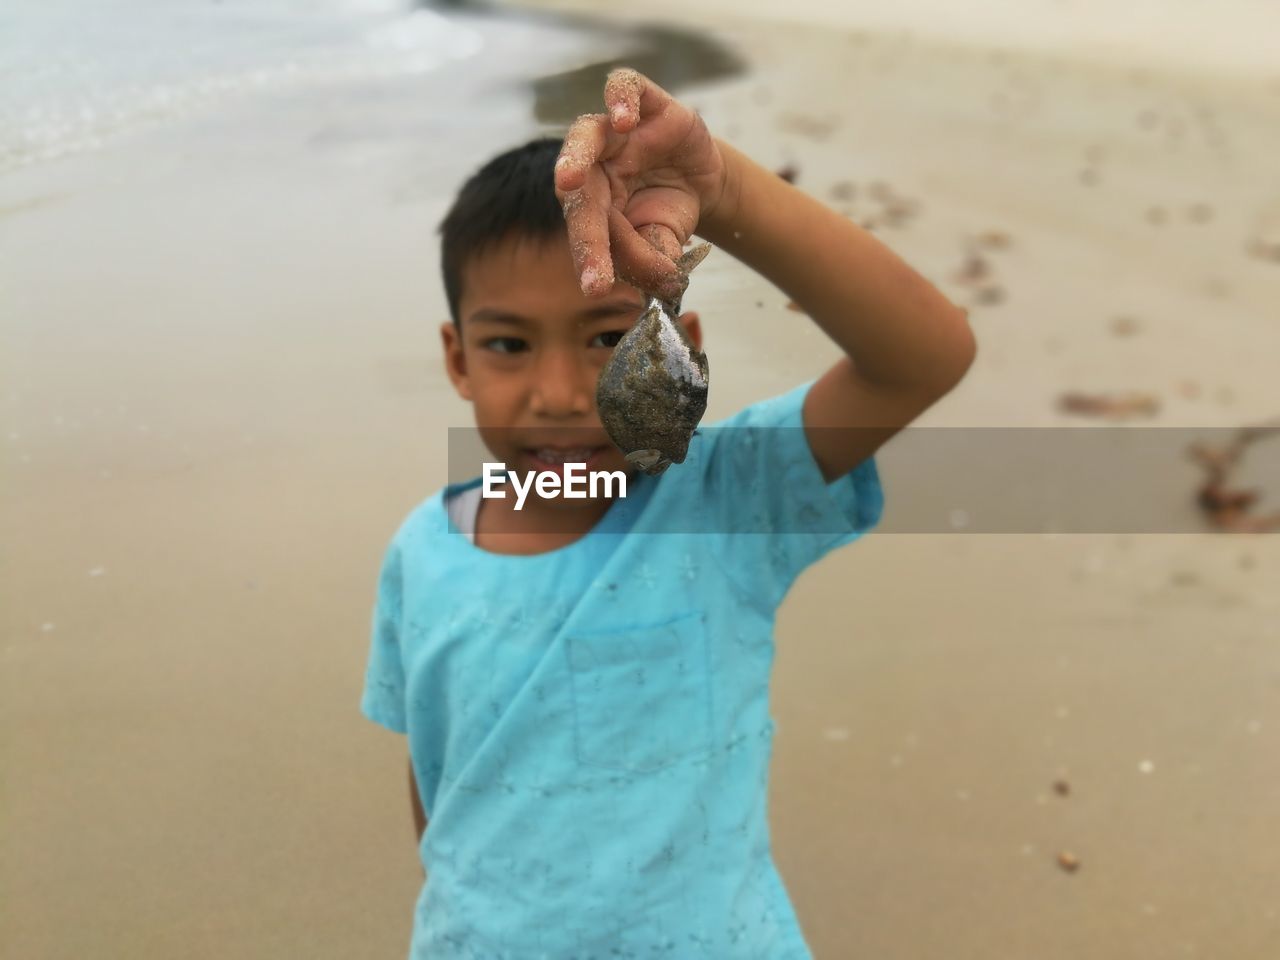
x=555, y=458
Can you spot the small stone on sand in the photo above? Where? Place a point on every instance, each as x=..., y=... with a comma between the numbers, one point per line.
x=1265, y=249
x=989, y=295
x=880, y=191
x=1125, y=326
x=994, y=239
x=843, y=191
x=1111, y=406
x=974, y=268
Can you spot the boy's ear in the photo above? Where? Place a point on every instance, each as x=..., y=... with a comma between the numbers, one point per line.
x=692, y=326
x=455, y=361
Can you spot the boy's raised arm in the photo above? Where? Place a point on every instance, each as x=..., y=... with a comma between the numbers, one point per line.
x=637, y=181
x=906, y=345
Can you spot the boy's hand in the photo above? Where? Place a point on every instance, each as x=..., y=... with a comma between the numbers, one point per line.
x=636, y=179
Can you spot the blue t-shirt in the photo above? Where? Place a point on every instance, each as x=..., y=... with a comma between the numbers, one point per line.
x=589, y=727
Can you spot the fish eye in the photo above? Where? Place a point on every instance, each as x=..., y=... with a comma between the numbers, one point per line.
x=505, y=344
x=610, y=338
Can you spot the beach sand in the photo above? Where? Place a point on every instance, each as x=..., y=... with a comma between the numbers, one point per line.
x=222, y=392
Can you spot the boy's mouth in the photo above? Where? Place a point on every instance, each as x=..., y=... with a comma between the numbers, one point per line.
x=553, y=459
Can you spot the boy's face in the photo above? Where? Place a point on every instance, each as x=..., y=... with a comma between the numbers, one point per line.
x=528, y=352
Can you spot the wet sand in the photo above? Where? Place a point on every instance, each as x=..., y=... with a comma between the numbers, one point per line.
x=222, y=392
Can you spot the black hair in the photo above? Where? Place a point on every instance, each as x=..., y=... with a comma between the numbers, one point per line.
x=512, y=194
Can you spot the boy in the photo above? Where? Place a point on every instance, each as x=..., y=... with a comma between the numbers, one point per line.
x=585, y=699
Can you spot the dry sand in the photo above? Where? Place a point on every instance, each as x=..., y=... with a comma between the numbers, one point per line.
x=222, y=392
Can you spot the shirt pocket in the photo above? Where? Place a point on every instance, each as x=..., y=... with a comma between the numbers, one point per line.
x=641, y=697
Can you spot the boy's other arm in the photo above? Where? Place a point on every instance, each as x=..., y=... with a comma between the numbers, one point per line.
x=912, y=345
x=419, y=815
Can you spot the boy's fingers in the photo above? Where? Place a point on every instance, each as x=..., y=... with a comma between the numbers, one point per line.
x=642, y=263
x=663, y=238
x=583, y=145
x=586, y=216
x=630, y=95
x=622, y=98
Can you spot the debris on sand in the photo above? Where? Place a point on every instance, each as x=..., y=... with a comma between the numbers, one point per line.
x=844, y=191
x=974, y=269
x=899, y=210
x=994, y=240
x=1068, y=861
x=1229, y=508
x=789, y=173
x=1125, y=326
x=1112, y=406
x=989, y=295
x=895, y=210
x=1265, y=249
x=1061, y=788
x=1265, y=240
x=807, y=125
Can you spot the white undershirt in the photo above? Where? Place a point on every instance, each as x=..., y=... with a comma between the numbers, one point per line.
x=463, y=508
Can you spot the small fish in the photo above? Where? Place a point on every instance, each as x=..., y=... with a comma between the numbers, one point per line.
x=653, y=391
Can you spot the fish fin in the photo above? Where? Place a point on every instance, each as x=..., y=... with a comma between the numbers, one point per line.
x=689, y=260
x=650, y=461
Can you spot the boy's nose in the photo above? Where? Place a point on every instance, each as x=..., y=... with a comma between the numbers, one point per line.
x=563, y=386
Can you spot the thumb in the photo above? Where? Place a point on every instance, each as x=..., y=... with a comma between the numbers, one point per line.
x=662, y=238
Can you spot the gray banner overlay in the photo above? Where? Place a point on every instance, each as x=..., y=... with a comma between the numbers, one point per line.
x=1115, y=479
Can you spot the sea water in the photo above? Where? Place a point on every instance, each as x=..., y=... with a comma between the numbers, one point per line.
x=75, y=73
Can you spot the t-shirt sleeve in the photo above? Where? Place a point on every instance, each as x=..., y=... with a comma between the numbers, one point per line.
x=779, y=513
x=384, y=693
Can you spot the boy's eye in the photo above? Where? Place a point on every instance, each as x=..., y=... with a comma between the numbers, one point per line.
x=505, y=344
x=610, y=338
